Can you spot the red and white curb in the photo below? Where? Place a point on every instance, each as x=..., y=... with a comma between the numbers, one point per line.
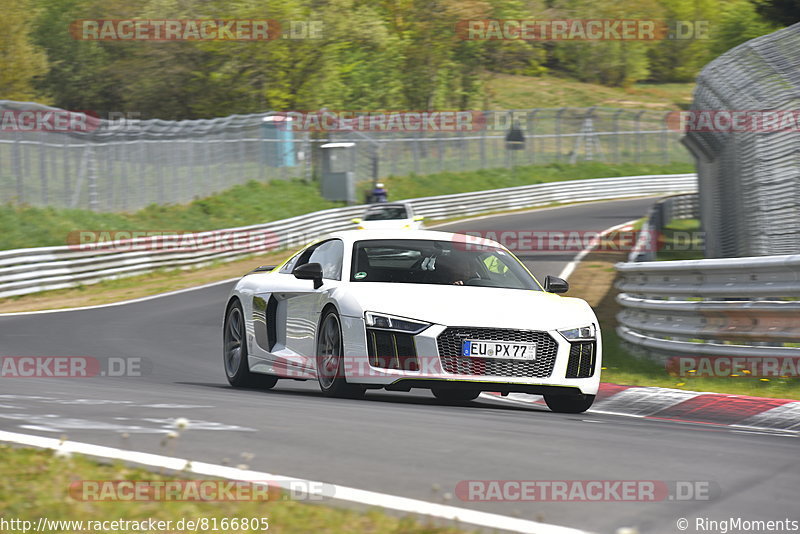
x=735, y=411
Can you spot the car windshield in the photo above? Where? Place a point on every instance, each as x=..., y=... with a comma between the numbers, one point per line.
x=386, y=213
x=420, y=261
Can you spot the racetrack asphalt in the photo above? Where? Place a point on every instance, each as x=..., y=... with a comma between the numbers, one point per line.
x=405, y=444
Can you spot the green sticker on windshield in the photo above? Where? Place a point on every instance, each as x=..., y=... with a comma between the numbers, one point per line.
x=360, y=275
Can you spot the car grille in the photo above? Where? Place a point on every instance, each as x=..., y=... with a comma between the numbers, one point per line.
x=391, y=350
x=450, y=341
x=581, y=360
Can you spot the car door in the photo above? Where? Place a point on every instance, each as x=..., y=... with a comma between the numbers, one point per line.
x=303, y=307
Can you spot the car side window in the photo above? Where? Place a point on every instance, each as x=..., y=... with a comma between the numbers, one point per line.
x=329, y=254
x=290, y=265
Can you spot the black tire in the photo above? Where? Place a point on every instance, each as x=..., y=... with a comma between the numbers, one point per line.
x=234, y=352
x=569, y=403
x=454, y=395
x=330, y=363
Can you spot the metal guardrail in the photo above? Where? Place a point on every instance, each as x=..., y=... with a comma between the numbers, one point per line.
x=684, y=206
x=746, y=307
x=25, y=271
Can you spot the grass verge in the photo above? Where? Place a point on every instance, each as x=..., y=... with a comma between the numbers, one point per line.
x=132, y=287
x=681, y=239
x=593, y=281
x=254, y=202
x=448, y=183
x=35, y=483
x=509, y=91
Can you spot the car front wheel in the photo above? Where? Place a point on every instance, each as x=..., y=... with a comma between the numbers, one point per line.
x=330, y=359
x=569, y=403
x=234, y=352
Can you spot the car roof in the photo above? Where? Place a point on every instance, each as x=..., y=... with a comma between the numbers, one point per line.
x=351, y=236
x=389, y=205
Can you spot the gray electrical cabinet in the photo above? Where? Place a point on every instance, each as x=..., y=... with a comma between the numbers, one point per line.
x=338, y=172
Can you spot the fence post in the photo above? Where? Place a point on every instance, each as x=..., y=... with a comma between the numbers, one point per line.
x=638, y=125
x=91, y=169
x=142, y=171
x=615, y=122
x=43, y=167
x=375, y=157
x=16, y=163
x=65, y=167
x=532, y=133
x=558, y=132
x=123, y=179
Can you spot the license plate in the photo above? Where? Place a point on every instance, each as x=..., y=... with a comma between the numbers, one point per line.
x=498, y=349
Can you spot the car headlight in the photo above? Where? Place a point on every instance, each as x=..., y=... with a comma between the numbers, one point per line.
x=383, y=321
x=579, y=334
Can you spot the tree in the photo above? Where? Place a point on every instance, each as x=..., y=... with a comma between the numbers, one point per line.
x=780, y=12
x=609, y=62
x=737, y=23
x=679, y=60
x=21, y=61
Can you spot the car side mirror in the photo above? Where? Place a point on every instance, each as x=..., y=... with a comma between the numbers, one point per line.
x=355, y=221
x=419, y=218
x=554, y=284
x=309, y=271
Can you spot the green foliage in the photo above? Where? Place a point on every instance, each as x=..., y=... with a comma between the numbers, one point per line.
x=737, y=22
x=370, y=55
x=779, y=12
x=20, y=59
x=679, y=60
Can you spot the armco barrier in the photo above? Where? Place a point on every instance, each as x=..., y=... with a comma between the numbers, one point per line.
x=30, y=270
x=740, y=307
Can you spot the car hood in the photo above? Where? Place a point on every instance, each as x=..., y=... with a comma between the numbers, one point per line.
x=386, y=225
x=472, y=306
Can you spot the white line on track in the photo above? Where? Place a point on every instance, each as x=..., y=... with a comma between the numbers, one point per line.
x=341, y=493
x=570, y=267
x=547, y=208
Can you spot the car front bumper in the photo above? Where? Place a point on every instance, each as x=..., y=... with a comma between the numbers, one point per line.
x=431, y=372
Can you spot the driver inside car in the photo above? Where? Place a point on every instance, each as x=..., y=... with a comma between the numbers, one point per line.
x=455, y=270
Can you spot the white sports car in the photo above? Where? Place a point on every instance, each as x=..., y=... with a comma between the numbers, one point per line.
x=389, y=216
x=409, y=309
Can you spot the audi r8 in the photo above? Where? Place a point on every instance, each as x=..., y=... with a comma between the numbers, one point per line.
x=404, y=309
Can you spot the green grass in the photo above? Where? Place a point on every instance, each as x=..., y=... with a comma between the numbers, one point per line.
x=256, y=202
x=621, y=367
x=680, y=240
x=448, y=183
x=508, y=91
x=251, y=203
x=35, y=483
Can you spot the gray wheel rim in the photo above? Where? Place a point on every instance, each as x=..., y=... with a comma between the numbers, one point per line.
x=329, y=351
x=234, y=334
